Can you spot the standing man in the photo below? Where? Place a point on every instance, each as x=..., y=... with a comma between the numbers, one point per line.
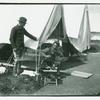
x=17, y=41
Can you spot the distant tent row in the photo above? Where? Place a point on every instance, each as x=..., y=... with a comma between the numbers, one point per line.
x=56, y=28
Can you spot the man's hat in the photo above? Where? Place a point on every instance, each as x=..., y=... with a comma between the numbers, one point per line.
x=22, y=19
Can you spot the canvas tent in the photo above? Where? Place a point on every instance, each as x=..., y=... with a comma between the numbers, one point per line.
x=56, y=28
x=84, y=37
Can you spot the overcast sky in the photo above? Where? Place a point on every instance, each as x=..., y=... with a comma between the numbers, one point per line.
x=38, y=15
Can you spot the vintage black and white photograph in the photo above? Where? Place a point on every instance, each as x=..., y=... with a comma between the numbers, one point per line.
x=50, y=49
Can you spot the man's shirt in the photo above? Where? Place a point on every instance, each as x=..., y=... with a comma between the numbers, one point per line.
x=17, y=36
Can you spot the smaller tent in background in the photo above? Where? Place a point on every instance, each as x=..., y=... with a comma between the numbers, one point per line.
x=84, y=37
x=82, y=43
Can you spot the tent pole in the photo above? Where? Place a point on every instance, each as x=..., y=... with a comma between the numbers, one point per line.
x=38, y=63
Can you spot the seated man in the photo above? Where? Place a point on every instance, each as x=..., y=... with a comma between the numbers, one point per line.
x=53, y=56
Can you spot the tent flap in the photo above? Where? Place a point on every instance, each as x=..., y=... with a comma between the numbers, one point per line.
x=53, y=27
x=83, y=41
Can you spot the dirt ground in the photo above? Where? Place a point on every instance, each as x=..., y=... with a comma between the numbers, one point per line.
x=25, y=85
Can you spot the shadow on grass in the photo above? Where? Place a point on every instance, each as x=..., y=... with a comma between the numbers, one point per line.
x=93, y=49
x=76, y=61
x=72, y=62
x=95, y=46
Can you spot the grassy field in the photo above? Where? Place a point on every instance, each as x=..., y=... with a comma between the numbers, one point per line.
x=20, y=85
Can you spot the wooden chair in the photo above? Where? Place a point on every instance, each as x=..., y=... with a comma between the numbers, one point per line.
x=51, y=76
